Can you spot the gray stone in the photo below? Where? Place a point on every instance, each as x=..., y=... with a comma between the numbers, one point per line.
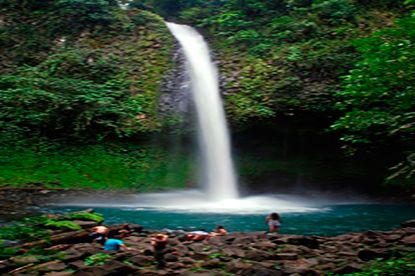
x=409, y=223
x=91, y=271
x=141, y=260
x=213, y=263
x=85, y=224
x=170, y=257
x=258, y=255
x=371, y=254
x=348, y=269
x=236, y=265
x=234, y=252
x=287, y=256
x=409, y=241
x=117, y=268
x=77, y=265
x=51, y=266
x=22, y=260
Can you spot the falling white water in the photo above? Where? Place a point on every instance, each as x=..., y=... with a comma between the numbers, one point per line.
x=219, y=179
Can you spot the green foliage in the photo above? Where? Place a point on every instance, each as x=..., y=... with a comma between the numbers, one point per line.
x=378, y=95
x=7, y=252
x=86, y=12
x=98, y=259
x=41, y=103
x=335, y=11
x=254, y=99
x=78, y=83
x=398, y=266
x=216, y=255
x=108, y=165
x=26, y=230
x=86, y=216
x=65, y=224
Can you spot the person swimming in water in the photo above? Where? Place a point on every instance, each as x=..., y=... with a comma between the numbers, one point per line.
x=273, y=221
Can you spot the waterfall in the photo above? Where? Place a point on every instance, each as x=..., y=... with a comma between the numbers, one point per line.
x=218, y=181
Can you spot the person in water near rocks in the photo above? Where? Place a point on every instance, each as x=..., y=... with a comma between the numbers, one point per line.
x=219, y=231
x=113, y=244
x=99, y=234
x=273, y=221
x=159, y=243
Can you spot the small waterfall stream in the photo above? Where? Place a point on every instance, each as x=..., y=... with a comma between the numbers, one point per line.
x=218, y=176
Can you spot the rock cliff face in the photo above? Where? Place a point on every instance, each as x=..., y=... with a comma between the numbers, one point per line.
x=257, y=253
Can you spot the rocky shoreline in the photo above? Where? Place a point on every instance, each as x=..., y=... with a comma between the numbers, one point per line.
x=252, y=253
x=68, y=252
x=20, y=202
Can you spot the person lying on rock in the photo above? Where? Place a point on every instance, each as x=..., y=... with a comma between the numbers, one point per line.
x=197, y=235
x=219, y=231
x=113, y=244
x=99, y=234
x=159, y=243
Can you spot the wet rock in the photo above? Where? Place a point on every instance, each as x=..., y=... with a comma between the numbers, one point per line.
x=50, y=266
x=77, y=265
x=85, y=224
x=265, y=245
x=22, y=260
x=7, y=265
x=213, y=263
x=408, y=223
x=141, y=260
x=170, y=258
x=297, y=266
x=259, y=271
x=117, y=268
x=369, y=241
x=234, y=252
x=347, y=254
x=199, y=256
x=392, y=237
x=91, y=271
x=177, y=266
x=59, y=273
x=87, y=248
x=148, y=272
x=409, y=230
x=348, y=269
x=371, y=254
x=258, y=255
x=135, y=227
x=287, y=256
x=409, y=241
x=197, y=247
x=236, y=265
x=310, y=242
x=72, y=255
x=182, y=250
x=187, y=260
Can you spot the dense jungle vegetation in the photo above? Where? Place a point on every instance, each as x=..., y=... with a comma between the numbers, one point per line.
x=81, y=80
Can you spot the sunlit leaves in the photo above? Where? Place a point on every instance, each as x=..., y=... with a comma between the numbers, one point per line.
x=378, y=95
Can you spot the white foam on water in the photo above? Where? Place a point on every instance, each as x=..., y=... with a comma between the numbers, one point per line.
x=195, y=201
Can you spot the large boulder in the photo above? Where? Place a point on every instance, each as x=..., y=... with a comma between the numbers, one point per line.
x=409, y=241
x=409, y=223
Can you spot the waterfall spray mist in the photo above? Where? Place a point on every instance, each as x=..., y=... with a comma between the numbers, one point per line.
x=219, y=179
